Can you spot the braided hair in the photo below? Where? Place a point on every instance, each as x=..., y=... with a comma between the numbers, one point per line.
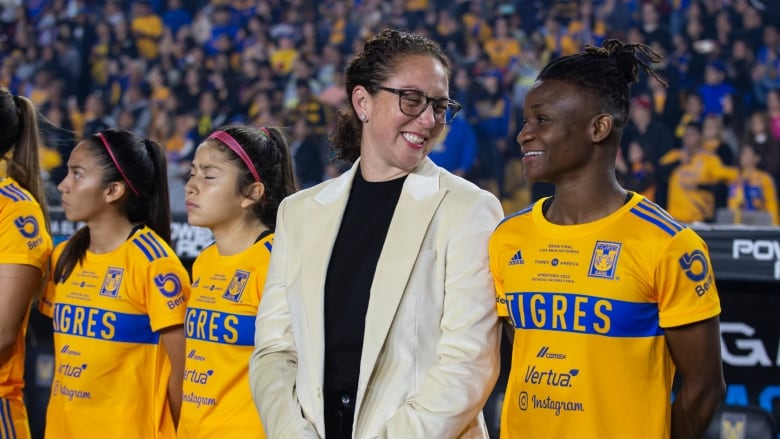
x=607, y=72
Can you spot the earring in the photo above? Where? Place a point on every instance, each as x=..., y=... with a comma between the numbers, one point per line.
x=363, y=117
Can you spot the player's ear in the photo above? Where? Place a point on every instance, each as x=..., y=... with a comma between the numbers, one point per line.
x=256, y=192
x=601, y=127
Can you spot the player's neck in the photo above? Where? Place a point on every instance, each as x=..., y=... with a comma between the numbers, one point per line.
x=585, y=203
x=107, y=234
x=238, y=236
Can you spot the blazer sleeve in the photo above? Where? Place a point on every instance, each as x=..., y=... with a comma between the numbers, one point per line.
x=455, y=390
x=274, y=363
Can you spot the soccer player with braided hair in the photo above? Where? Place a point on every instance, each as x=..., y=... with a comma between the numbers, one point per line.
x=605, y=294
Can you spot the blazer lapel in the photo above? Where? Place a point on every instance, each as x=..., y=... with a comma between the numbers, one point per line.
x=323, y=215
x=419, y=200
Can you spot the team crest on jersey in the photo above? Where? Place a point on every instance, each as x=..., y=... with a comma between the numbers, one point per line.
x=111, y=282
x=236, y=286
x=604, y=260
x=27, y=225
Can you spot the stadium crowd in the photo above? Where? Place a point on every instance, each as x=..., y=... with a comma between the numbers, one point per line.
x=174, y=70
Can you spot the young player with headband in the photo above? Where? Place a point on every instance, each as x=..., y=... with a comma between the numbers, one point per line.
x=237, y=179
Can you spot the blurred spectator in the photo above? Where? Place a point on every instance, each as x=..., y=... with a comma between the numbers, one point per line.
x=457, y=147
x=773, y=111
x=308, y=154
x=95, y=117
x=715, y=88
x=693, y=112
x=176, y=17
x=754, y=189
x=716, y=139
x=147, y=28
x=636, y=173
x=491, y=127
x=502, y=49
x=760, y=138
x=647, y=130
x=691, y=195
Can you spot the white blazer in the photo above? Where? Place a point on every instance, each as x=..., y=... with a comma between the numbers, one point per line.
x=431, y=346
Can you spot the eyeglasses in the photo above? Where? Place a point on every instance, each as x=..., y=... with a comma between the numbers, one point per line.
x=413, y=103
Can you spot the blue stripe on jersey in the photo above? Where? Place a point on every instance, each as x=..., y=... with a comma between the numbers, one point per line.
x=150, y=246
x=103, y=324
x=8, y=429
x=150, y=241
x=659, y=211
x=578, y=313
x=10, y=194
x=219, y=327
x=143, y=248
x=655, y=217
x=268, y=245
x=7, y=194
x=20, y=193
x=523, y=211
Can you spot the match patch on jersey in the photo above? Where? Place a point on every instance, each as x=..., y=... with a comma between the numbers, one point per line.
x=517, y=259
x=27, y=225
x=695, y=265
x=604, y=260
x=169, y=284
x=236, y=286
x=111, y=282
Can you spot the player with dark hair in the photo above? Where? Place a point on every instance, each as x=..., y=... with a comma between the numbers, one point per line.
x=117, y=296
x=607, y=295
x=237, y=179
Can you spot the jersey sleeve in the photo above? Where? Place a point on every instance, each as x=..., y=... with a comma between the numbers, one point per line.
x=168, y=288
x=686, y=282
x=23, y=236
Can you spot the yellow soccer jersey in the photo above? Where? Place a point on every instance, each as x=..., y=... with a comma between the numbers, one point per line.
x=220, y=328
x=25, y=241
x=589, y=304
x=111, y=374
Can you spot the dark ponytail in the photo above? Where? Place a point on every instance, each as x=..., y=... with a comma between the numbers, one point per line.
x=140, y=165
x=20, y=133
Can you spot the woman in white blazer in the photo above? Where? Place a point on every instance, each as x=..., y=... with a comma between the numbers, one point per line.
x=378, y=316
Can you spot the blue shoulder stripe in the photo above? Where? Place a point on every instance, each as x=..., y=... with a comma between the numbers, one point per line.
x=143, y=248
x=14, y=193
x=523, y=211
x=653, y=216
x=150, y=239
x=268, y=245
x=8, y=194
x=663, y=213
x=19, y=192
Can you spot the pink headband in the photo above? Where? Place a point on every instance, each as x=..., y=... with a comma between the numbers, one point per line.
x=116, y=163
x=234, y=146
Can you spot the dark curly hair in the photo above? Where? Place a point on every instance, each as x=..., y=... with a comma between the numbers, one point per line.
x=607, y=71
x=375, y=65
